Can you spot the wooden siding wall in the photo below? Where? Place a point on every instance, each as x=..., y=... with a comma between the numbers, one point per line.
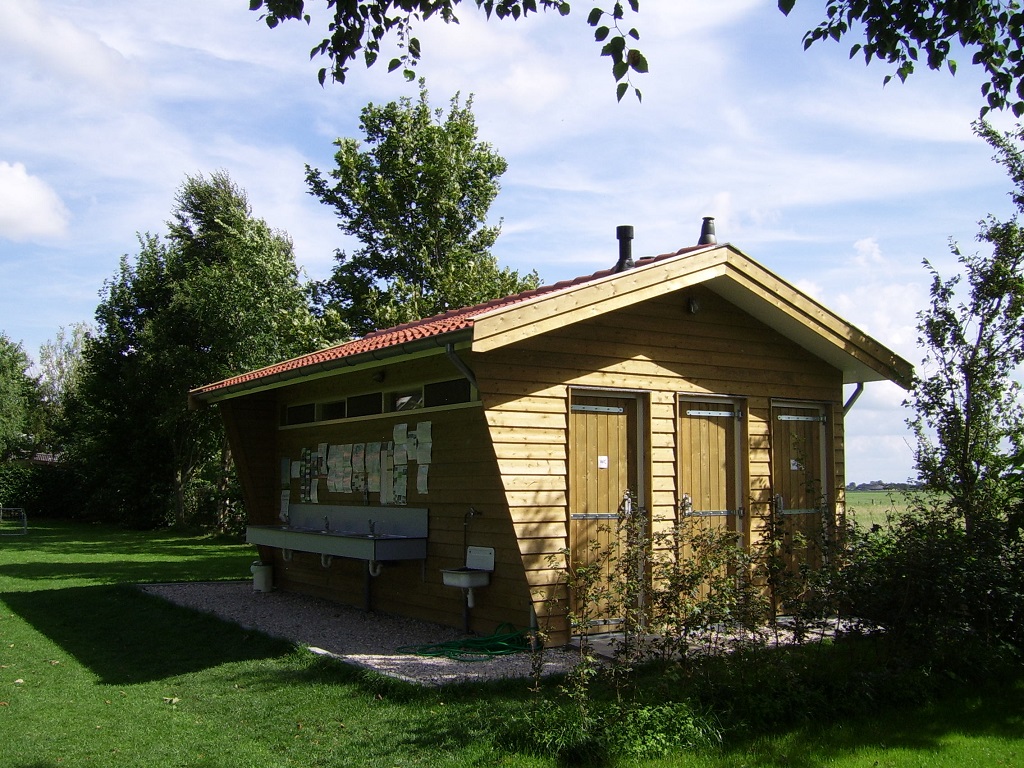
x=463, y=473
x=658, y=348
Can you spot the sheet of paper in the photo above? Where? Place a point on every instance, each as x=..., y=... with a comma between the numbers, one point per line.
x=373, y=467
x=424, y=442
x=387, y=479
x=421, y=478
x=285, y=501
x=424, y=452
x=401, y=484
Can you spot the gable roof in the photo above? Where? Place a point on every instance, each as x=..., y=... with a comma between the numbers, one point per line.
x=497, y=323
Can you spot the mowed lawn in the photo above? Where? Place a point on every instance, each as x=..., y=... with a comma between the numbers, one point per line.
x=95, y=672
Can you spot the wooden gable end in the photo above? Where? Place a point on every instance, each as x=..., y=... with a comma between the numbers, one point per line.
x=730, y=274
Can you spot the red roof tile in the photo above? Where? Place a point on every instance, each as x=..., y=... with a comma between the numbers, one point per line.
x=430, y=327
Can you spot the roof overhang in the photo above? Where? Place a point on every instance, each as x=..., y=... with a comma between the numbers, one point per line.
x=283, y=375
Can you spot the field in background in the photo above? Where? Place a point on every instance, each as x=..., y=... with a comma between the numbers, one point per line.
x=872, y=507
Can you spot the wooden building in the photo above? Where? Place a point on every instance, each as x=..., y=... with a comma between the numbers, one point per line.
x=507, y=429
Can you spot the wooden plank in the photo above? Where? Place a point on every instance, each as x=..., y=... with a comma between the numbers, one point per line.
x=531, y=466
x=520, y=420
x=523, y=450
x=534, y=482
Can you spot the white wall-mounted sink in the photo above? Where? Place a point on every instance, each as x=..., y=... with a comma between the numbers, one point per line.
x=466, y=578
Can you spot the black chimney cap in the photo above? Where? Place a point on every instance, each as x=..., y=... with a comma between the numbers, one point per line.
x=624, y=233
x=707, y=232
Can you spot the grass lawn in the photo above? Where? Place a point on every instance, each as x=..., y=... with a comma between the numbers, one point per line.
x=95, y=672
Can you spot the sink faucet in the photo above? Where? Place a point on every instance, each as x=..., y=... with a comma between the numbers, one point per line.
x=373, y=524
x=327, y=523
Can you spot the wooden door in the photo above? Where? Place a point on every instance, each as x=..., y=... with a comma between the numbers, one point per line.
x=709, y=460
x=798, y=477
x=603, y=450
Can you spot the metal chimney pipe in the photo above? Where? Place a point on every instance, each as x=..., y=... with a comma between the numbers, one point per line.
x=707, y=232
x=624, y=233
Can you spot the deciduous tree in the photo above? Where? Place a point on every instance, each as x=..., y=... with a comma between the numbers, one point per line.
x=361, y=25
x=904, y=34
x=968, y=417
x=219, y=295
x=933, y=32
x=17, y=396
x=415, y=193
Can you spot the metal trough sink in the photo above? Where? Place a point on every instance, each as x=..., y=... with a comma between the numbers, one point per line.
x=359, y=546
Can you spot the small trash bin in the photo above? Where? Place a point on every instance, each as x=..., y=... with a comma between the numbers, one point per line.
x=262, y=576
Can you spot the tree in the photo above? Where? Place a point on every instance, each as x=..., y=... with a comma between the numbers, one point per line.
x=17, y=397
x=60, y=363
x=901, y=33
x=905, y=33
x=219, y=295
x=968, y=417
x=416, y=197
x=361, y=25
x=945, y=578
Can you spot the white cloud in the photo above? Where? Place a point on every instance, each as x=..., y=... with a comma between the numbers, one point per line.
x=61, y=51
x=29, y=208
x=867, y=253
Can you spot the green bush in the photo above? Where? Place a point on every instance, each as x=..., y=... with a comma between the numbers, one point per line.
x=611, y=730
x=15, y=481
x=933, y=585
x=42, y=490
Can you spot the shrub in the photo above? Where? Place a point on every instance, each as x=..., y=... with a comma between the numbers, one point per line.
x=42, y=490
x=932, y=585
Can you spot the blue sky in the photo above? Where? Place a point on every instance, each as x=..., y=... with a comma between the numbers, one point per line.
x=810, y=166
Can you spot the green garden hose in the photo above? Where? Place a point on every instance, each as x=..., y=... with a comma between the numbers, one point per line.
x=506, y=640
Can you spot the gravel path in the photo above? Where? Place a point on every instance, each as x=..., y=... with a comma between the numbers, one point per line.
x=365, y=639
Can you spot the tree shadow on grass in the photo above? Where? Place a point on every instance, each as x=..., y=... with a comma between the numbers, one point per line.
x=124, y=636
x=992, y=710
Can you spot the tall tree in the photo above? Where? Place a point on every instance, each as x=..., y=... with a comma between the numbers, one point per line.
x=969, y=420
x=17, y=397
x=902, y=33
x=60, y=365
x=219, y=295
x=416, y=196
